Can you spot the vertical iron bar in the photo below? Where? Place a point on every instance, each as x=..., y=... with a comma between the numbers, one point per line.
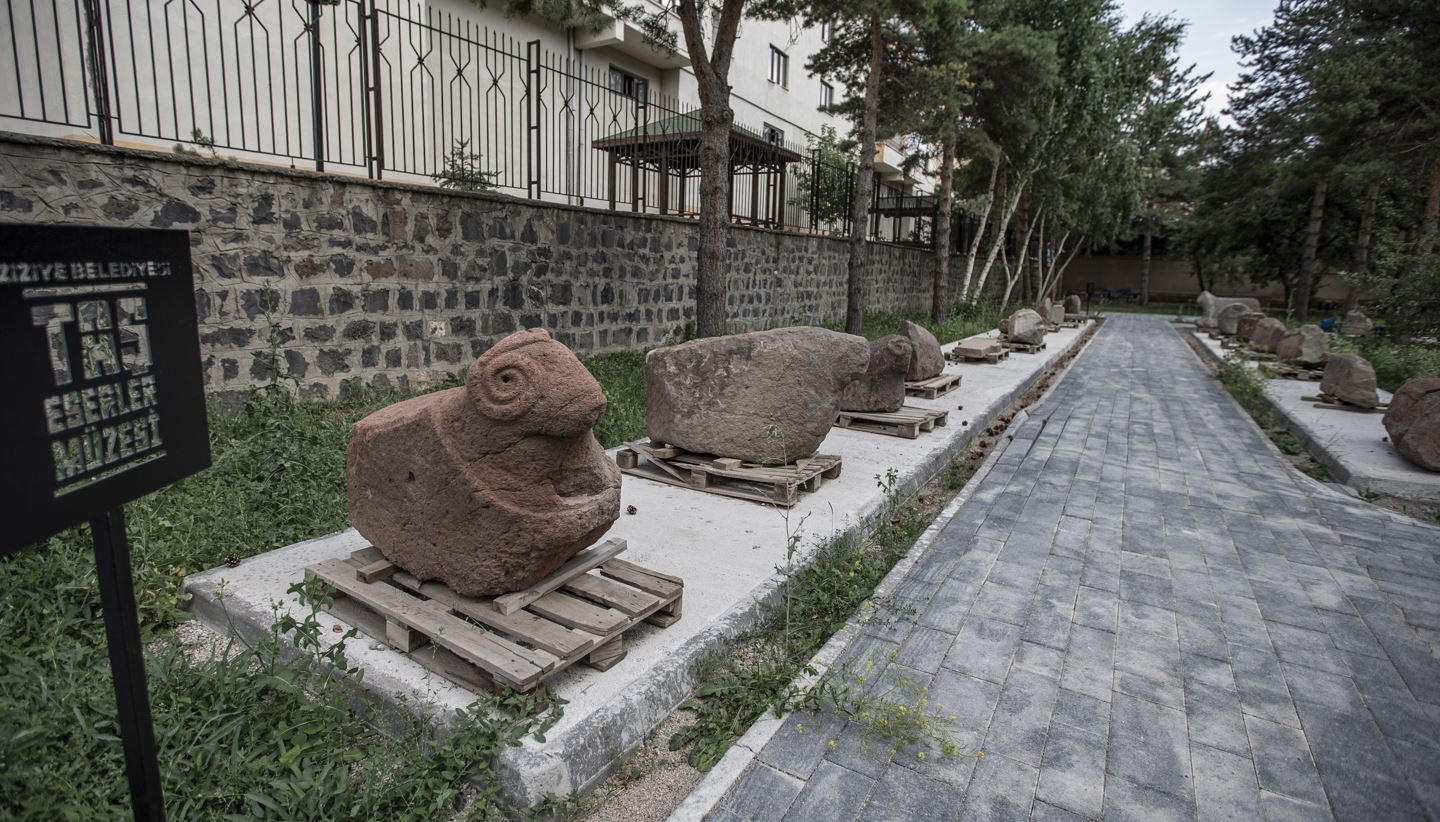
x=317, y=89
x=127, y=664
x=532, y=119
x=99, y=75
x=376, y=101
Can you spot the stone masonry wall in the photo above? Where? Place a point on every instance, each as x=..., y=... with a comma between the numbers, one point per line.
x=393, y=284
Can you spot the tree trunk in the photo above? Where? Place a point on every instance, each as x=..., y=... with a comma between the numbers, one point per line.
x=940, y=296
x=714, y=219
x=1003, y=226
x=1430, y=221
x=990, y=206
x=864, y=186
x=1199, y=271
x=1145, y=265
x=1362, y=243
x=1306, y=283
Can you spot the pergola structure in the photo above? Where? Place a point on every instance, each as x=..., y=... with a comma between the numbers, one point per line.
x=899, y=206
x=670, y=148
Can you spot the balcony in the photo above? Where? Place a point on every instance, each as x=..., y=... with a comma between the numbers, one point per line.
x=629, y=39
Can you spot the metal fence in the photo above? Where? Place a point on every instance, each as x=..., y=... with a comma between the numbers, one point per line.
x=387, y=88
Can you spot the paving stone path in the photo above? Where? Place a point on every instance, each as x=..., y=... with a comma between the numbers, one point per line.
x=1144, y=614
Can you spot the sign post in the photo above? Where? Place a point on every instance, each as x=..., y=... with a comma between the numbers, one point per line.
x=102, y=367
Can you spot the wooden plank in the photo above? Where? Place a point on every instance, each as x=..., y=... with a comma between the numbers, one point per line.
x=578, y=564
x=376, y=571
x=639, y=573
x=403, y=637
x=506, y=660
x=578, y=613
x=612, y=594
x=521, y=625
x=608, y=655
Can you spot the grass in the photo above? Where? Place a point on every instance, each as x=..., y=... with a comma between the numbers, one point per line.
x=968, y=322
x=1248, y=389
x=246, y=733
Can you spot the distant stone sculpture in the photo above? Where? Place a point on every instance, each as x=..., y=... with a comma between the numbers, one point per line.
x=767, y=397
x=1266, y=334
x=1057, y=313
x=1350, y=378
x=1210, y=306
x=1413, y=422
x=1073, y=304
x=1306, y=345
x=1024, y=326
x=882, y=386
x=1245, y=326
x=926, y=359
x=491, y=486
x=1227, y=320
x=1355, y=324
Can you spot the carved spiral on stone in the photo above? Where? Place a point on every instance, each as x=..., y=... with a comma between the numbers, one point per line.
x=508, y=388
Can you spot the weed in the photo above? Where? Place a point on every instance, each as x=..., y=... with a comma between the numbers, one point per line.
x=198, y=138
x=464, y=170
x=1395, y=364
x=893, y=715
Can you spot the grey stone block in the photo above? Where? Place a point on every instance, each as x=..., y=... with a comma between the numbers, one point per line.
x=832, y=793
x=1072, y=772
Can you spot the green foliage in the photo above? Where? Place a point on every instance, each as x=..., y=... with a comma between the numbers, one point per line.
x=893, y=712
x=1395, y=364
x=464, y=170
x=198, y=138
x=966, y=321
x=622, y=375
x=822, y=182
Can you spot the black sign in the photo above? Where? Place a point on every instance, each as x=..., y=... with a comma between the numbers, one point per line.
x=103, y=400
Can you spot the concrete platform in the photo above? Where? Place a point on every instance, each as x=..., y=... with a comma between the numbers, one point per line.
x=1353, y=446
x=728, y=551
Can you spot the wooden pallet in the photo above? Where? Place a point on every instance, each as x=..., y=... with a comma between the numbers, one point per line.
x=1295, y=372
x=773, y=484
x=907, y=422
x=958, y=354
x=1024, y=348
x=1326, y=401
x=933, y=387
x=515, y=641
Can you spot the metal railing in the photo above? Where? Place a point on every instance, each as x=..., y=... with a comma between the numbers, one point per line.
x=388, y=88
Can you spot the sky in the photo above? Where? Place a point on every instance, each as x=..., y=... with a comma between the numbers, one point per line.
x=1207, y=40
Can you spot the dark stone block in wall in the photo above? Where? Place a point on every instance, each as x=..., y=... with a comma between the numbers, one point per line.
x=405, y=299
x=362, y=223
x=472, y=300
x=429, y=301
x=376, y=301
x=229, y=369
x=255, y=302
x=295, y=362
x=292, y=222
x=393, y=358
x=344, y=266
x=502, y=324
x=320, y=333
x=446, y=350
x=527, y=234
x=514, y=294
x=202, y=305
x=462, y=326
x=228, y=337
x=332, y=361
x=562, y=233
x=414, y=330
x=305, y=302
x=175, y=212
x=264, y=211
x=341, y=300
x=115, y=208
x=200, y=186
x=359, y=330
x=532, y=321
x=388, y=331
x=263, y=264
x=452, y=299
x=262, y=369
x=472, y=226
x=315, y=391
x=329, y=222
x=226, y=217
x=370, y=356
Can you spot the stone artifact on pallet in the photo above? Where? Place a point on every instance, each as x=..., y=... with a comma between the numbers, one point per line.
x=1350, y=379
x=1074, y=307
x=1227, y=321
x=491, y=486
x=1210, y=306
x=1413, y=422
x=1245, y=326
x=1025, y=327
x=1355, y=324
x=926, y=359
x=1055, y=314
x=882, y=387
x=1266, y=334
x=1306, y=346
x=766, y=397
x=979, y=349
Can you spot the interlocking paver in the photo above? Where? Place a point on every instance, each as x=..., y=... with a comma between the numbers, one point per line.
x=1143, y=613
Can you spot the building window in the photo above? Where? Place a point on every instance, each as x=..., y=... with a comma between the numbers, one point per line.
x=773, y=134
x=827, y=95
x=779, y=67
x=827, y=30
x=623, y=82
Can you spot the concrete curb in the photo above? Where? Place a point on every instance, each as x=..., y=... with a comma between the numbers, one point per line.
x=707, y=795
